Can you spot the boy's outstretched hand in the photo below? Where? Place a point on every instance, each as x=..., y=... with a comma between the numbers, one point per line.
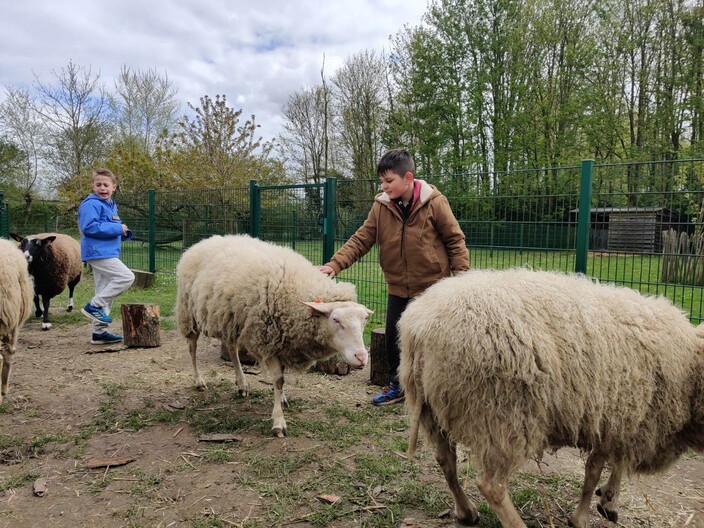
x=328, y=270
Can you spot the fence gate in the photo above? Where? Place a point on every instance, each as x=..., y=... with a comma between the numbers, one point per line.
x=299, y=216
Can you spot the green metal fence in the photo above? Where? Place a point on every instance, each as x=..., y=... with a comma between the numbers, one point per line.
x=635, y=224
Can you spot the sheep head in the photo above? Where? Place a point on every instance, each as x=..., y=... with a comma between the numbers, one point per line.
x=32, y=248
x=345, y=321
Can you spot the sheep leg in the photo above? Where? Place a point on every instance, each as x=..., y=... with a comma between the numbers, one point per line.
x=496, y=493
x=6, y=350
x=446, y=457
x=71, y=287
x=37, y=309
x=276, y=372
x=234, y=351
x=192, y=348
x=45, y=322
x=592, y=473
x=608, y=496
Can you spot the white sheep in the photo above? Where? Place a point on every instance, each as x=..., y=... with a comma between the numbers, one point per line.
x=54, y=262
x=511, y=363
x=270, y=300
x=15, y=305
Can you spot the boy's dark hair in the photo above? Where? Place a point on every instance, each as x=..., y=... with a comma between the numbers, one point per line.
x=398, y=161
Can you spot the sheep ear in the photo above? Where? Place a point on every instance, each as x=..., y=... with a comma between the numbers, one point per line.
x=16, y=237
x=47, y=240
x=319, y=308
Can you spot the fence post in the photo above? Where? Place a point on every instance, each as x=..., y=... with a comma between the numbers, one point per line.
x=152, y=230
x=4, y=220
x=255, y=209
x=584, y=216
x=329, y=219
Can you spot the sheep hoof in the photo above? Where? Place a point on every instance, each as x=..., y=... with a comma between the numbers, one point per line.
x=470, y=520
x=46, y=326
x=244, y=392
x=69, y=309
x=609, y=515
x=278, y=431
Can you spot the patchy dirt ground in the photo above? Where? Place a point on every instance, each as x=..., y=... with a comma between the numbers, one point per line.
x=69, y=405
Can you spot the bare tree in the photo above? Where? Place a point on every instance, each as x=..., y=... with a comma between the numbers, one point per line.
x=75, y=111
x=305, y=134
x=144, y=105
x=22, y=125
x=361, y=105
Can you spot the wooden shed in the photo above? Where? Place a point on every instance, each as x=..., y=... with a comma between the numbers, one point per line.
x=627, y=229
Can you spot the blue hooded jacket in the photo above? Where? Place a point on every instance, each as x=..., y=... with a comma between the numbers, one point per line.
x=101, y=229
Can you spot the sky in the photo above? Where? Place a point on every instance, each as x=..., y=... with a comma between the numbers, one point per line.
x=256, y=52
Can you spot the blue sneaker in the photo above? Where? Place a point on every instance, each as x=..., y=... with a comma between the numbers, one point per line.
x=96, y=314
x=105, y=338
x=391, y=394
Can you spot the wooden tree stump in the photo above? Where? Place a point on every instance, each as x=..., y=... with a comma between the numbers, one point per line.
x=378, y=360
x=245, y=357
x=140, y=325
x=142, y=279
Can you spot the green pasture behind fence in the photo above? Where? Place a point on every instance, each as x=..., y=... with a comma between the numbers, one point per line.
x=632, y=224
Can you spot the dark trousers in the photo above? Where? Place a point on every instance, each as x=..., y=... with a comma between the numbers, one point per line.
x=394, y=308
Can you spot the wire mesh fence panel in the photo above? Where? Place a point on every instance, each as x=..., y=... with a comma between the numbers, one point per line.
x=645, y=224
x=179, y=219
x=292, y=216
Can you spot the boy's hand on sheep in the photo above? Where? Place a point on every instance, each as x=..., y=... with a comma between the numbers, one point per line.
x=328, y=270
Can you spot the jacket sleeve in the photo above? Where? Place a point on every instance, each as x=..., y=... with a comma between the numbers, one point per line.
x=452, y=236
x=91, y=225
x=359, y=243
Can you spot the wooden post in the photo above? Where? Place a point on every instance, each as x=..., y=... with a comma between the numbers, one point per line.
x=140, y=325
x=378, y=360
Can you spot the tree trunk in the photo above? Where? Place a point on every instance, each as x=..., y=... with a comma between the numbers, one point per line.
x=379, y=361
x=140, y=325
x=142, y=279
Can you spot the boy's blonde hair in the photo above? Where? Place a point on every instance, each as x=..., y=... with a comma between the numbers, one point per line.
x=105, y=172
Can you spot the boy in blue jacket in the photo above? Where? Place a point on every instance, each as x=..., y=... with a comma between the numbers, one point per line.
x=102, y=233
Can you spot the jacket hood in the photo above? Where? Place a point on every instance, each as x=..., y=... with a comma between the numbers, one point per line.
x=426, y=192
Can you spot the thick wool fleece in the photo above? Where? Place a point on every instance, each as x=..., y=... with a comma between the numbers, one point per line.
x=16, y=293
x=240, y=286
x=514, y=362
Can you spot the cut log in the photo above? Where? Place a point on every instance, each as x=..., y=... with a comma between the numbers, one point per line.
x=140, y=325
x=334, y=365
x=142, y=279
x=378, y=359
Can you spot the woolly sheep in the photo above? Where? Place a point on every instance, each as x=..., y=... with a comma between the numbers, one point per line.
x=511, y=363
x=270, y=300
x=15, y=305
x=54, y=261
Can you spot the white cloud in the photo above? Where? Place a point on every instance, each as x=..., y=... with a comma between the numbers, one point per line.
x=255, y=52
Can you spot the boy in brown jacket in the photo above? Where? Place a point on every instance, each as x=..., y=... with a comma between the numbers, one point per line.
x=420, y=242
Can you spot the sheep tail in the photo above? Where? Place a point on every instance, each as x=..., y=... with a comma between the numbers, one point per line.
x=415, y=424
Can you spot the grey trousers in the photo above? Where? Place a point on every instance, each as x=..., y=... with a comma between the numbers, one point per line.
x=112, y=278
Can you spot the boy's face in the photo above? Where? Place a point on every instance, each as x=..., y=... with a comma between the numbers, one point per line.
x=397, y=186
x=103, y=186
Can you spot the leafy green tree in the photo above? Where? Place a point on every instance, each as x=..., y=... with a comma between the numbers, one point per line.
x=215, y=149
